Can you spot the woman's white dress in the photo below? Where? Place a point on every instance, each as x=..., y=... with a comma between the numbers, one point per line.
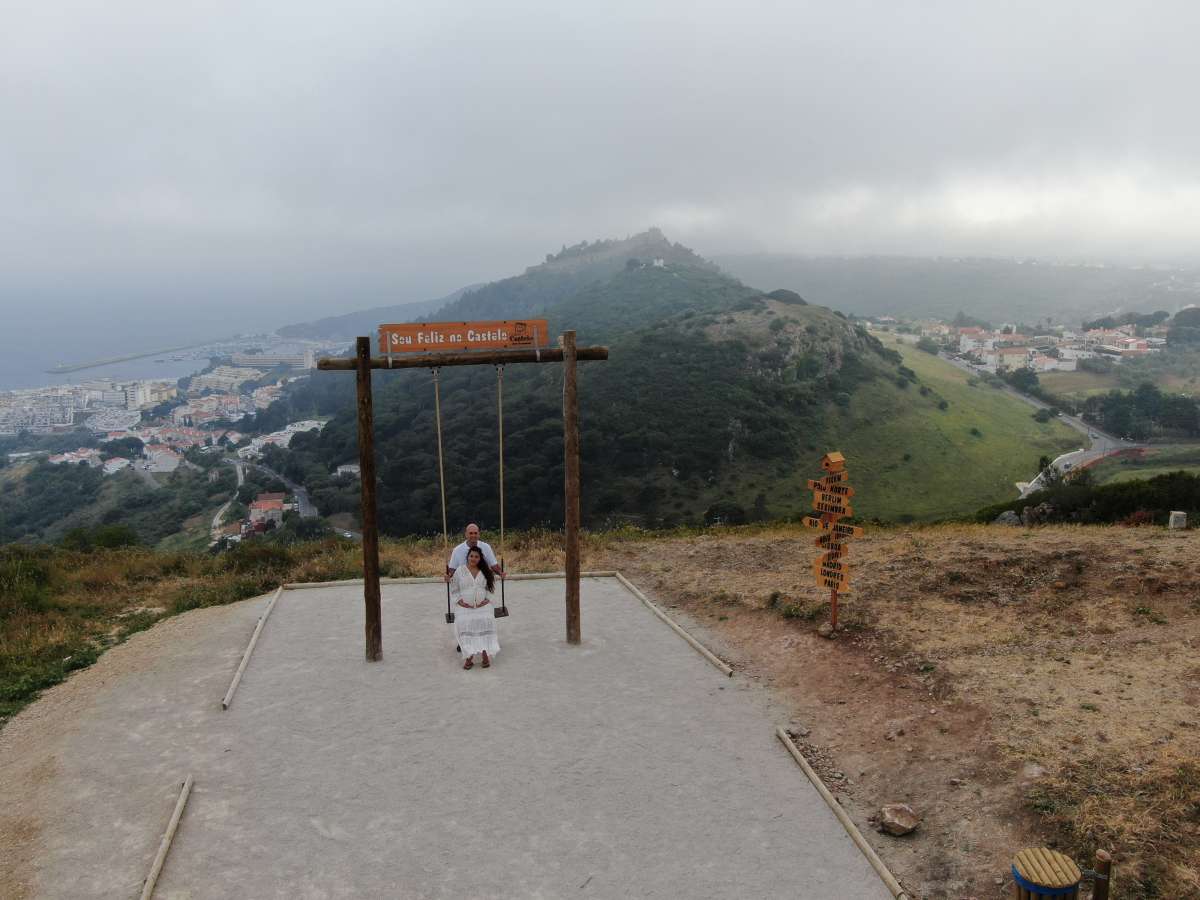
x=474, y=628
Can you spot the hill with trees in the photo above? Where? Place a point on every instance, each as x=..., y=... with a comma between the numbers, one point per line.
x=715, y=403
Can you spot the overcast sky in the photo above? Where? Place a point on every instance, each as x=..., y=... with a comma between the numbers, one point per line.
x=316, y=157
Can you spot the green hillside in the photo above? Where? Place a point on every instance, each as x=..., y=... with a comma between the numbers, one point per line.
x=716, y=402
x=912, y=458
x=1159, y=460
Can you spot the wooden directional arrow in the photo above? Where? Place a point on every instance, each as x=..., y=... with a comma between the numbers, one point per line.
x=831, y=547
x=847, y=531
x=825, y=565
x=836, y=508
x=832, y=485
x=827, y=497
x=841, y=585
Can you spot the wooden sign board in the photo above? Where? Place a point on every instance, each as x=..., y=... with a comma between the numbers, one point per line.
x=824, y=565
x=830, y=544
x=824, y=576
x=833, y=487
x=841, y=585
x=826, y=497
x=841, y=531
x=835, y=507
x=425, y=337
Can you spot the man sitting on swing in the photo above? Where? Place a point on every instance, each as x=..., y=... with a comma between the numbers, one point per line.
x=458, y=556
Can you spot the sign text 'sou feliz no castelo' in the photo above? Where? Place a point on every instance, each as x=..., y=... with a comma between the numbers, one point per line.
x=523, y=334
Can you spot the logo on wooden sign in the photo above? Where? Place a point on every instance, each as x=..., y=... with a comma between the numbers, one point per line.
x=418, y=337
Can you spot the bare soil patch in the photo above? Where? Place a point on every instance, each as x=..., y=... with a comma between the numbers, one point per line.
x=1017, y=687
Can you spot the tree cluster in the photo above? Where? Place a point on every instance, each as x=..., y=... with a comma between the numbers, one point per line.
x=1144, y=413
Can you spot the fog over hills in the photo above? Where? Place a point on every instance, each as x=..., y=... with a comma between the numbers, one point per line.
x=989, y=289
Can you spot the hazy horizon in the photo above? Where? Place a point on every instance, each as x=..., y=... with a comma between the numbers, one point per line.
x=169, y=168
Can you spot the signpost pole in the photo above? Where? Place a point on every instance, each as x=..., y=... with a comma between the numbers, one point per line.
x=571, y=484
x=831, y=496
x=370, y=530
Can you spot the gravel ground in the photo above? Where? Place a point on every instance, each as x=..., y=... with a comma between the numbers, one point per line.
x=624, y=767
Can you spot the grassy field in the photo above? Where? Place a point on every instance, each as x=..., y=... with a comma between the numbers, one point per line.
x=909, y=459
x=1078, y=384
x=195, y=533
x=1156, y=461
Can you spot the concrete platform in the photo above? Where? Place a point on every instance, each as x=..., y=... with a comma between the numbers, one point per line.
x=627, y=767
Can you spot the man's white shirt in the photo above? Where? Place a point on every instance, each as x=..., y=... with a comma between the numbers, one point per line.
x=459, y=556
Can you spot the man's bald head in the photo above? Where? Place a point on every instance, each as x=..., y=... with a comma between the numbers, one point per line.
x=472, y=533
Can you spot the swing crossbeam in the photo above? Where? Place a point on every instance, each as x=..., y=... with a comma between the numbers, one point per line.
x=464, y=358
x=363, y=363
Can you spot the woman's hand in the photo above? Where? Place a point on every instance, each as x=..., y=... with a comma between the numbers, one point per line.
x=484, y=602
x=464, y=604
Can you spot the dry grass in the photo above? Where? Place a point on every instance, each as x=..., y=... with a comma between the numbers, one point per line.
x=1003, y=652
x=1146, y=809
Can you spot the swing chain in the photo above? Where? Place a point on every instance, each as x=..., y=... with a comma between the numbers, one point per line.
x=437, y=405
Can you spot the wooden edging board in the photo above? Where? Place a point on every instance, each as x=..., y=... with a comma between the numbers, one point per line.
x=164, y=845
x=889, y=880
x=237, y=676
x=700, y=648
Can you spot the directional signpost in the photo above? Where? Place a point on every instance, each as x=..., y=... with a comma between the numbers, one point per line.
x=831, y=499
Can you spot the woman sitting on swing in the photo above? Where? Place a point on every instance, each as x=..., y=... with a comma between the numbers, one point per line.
x=472, y=589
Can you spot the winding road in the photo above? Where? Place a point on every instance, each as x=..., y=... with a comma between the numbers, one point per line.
x=1100, y=444
x=303, y=504
x=215, y=531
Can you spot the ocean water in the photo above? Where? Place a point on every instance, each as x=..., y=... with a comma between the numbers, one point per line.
x=32, y=341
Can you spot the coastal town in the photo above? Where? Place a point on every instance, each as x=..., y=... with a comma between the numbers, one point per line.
x=152, y=426
x=1008, y=348
x=239, y=379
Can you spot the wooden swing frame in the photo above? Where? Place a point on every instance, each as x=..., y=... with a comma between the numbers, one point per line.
x=362, y=365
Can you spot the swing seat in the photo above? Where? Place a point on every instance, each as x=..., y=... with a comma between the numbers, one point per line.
x=449, y=618
x=501, y=612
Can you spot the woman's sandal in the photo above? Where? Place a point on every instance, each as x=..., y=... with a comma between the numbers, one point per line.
x=470, y=663
x=486, y=662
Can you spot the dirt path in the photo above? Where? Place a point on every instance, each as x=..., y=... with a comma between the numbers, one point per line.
x=1000, y=680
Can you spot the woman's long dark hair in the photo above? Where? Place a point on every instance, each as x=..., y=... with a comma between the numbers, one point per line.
x=484, y=568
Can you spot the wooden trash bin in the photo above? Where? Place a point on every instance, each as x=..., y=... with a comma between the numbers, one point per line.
x=1045, y=873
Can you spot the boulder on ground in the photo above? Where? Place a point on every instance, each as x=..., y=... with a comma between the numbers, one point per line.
x=1008, y=517
x=897, y=819
x=1038, y=515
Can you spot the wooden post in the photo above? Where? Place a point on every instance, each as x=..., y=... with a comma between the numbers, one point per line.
x=370, y=529
x=1101, y=886
x=571, y=484
x=833, y=609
